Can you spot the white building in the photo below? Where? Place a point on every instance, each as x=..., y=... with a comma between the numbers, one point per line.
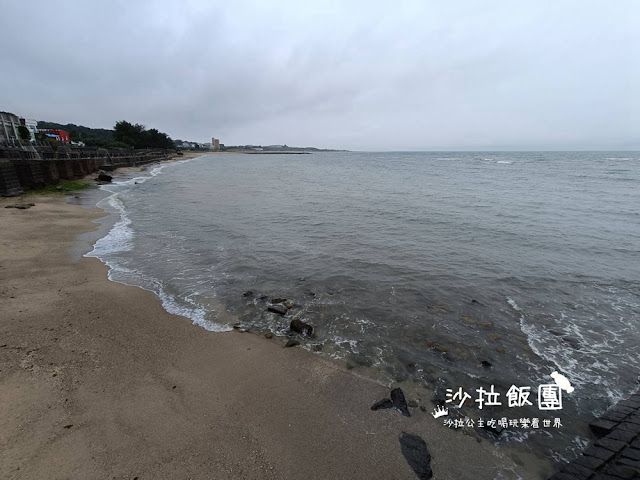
x=32, y=126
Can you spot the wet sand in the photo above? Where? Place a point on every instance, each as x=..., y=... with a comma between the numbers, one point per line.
x=97, y=380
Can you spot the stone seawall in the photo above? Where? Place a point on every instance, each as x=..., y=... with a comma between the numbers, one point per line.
x=615, y=454
x=23, y=172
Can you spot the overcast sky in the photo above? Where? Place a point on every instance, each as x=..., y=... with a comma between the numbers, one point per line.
x=362, y=75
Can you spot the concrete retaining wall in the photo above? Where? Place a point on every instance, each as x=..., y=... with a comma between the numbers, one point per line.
x=20, y=171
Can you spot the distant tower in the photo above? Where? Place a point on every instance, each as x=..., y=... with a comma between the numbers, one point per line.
x=215, y=143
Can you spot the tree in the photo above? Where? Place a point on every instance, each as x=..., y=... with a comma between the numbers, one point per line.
x=128, y=133
x=24, y=133
x=137, y=136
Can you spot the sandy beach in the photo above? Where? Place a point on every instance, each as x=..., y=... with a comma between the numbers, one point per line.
x=97, y=380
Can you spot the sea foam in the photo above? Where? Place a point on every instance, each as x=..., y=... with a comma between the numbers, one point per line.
x=120, y=238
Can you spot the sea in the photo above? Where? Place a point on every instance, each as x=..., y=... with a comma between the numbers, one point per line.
x=448, y=270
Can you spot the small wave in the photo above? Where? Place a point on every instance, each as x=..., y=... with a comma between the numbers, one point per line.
x=194, y=313
x=119, y=239
x=505, y=161
x=534, y=341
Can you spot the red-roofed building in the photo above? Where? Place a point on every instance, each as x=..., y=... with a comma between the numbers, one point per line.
x=61, y=134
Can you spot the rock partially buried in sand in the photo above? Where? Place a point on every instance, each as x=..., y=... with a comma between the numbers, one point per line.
x=248, y=293
x=21, y=206
x=279, y=309
x=268, y=335
x=399, y=402
x=278, y=300
x=292, y=343
x=416, y=454
x=380, y=404
x=301, y=327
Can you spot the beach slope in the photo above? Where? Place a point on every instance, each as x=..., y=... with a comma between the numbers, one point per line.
x=97, y=380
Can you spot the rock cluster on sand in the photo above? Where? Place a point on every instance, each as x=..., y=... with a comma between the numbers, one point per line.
x=397, y=401
x=414, y=449
x=281, y=306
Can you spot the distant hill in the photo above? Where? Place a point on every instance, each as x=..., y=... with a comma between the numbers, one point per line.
x=277, y=148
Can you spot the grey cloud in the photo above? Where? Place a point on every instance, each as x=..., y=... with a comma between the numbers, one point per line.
x=361, y=75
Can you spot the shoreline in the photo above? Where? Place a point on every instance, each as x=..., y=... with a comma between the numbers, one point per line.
x=146, y=393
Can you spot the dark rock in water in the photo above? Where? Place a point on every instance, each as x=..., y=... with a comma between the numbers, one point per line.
x=289, y=305
x=103, y=177
x=407, y=359
x=268, y=335
x=416, y=454
x=497, y=430
x=569, y=340
x=248, y=293
x=454, y=414
x=572, y=342
x=399, y=402
x=280, y=309
x=263, y=298
x=310, y=293
x=318, y=347
x=400, y=377
x=476, y=302
x=486, y=364
x=292, y=343
x=440, y=391
x=278, y=300
x=380, y=404
x=360, y=360
x=301, y=327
